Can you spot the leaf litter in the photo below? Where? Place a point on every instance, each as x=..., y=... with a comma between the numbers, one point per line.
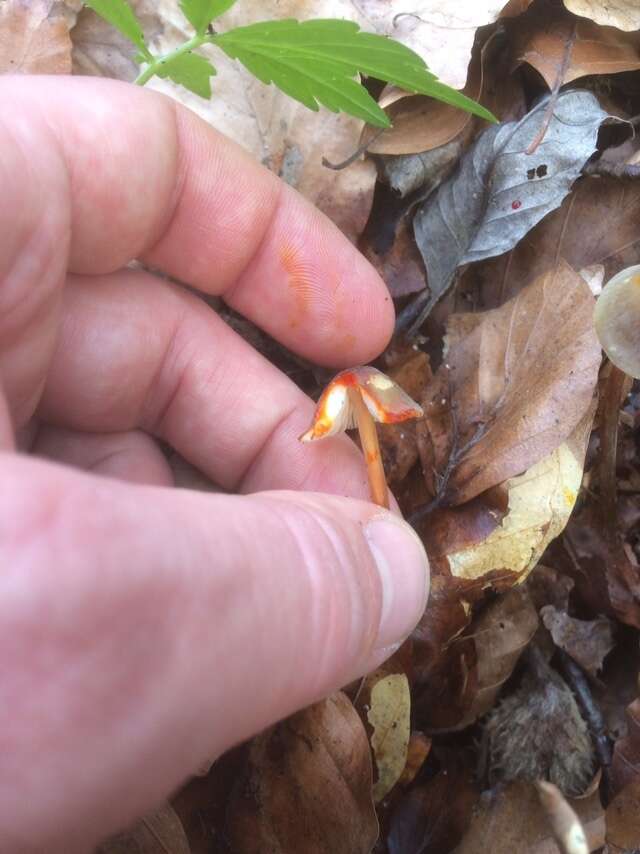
x=502, y=479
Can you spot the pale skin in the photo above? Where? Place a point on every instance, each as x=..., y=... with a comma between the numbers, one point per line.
x=146, y=629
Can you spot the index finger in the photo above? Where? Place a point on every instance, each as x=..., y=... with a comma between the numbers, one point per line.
x=150, y=180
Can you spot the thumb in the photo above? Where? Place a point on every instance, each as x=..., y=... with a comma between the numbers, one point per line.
x=150, y=629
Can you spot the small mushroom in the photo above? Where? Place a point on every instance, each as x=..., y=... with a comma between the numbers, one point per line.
x=358, y=398
x=617, y=322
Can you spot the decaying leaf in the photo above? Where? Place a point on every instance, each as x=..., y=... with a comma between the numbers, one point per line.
x=515, y=383
x=501, y=634
x=432, y=818
x=500, y=192
x=34, y=36
x=623, y=14
x=306, y=787
x=513, y=820
x=625, y=768
x=544, y=33
x=586, y=641
x=623, y=820
x=389, y=716
x=417, y=753
x=158, y=833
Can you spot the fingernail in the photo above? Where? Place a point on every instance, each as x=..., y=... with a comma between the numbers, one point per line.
x=404, y=572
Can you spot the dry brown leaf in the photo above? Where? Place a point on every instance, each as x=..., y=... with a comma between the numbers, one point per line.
x=432, y=818
x=596, y=224
x=586, y=641
x=541, y=37
x=623, y=820
x=306, y=787
x=417, y=753
x=513, y=820
x=625, y=767
x=515, y=383
x=623, y=14
x=158, y=833
x=34, y=36
x=389, y=716
x=501, y=634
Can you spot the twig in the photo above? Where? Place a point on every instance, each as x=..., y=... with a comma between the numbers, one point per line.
x=612, y=399
x=578, y=683
x=362, y=149
x=555, y=92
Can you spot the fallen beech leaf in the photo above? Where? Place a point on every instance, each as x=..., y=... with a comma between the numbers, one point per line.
x=34, y=36
x=596, y=224
x=501, y=634
x=622, y=820
x=306, y=787
x=513, y=820
x=398, y=441
x=158, y=833
x=424, y=171
x=389, y=716
x=540, y=503
x=625, y=767
x=518, y=379
x=500, y=192
x=432, y=818
x=623, y=14
x=586, y=641
x=541, y=35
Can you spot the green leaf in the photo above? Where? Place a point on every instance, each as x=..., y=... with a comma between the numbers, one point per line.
x=189, y=70
x=120, y=15
x=200, y=13
x=316, y=62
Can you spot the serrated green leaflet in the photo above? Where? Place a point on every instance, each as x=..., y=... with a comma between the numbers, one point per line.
x=189, y=70
x=120, y=15
x=316, y=62
x=200, y=13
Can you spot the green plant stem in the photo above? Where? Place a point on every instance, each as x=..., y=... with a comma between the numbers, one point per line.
x=156, y=62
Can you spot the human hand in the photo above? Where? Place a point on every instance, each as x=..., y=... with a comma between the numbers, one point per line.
x=144, y=629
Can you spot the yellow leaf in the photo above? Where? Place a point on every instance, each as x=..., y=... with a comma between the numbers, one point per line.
x=389, y=715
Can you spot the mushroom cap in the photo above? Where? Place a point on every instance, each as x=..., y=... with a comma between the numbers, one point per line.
x=617, y=320
x=383, y=397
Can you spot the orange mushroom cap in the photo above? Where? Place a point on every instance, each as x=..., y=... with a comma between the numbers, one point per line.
x=385, y=400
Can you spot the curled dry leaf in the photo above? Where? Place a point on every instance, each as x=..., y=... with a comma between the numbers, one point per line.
x=586, y=641
x=34, y=36
x=389, y=716
x=542, y=35
x=515, y=383
x=500, y=191
x=417, y=753
x=158, y=833
x=501, y=633
x=623, y=14
x=622, y=820
x=306, y=786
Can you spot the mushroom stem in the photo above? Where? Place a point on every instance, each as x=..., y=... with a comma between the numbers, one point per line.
x=371, y=449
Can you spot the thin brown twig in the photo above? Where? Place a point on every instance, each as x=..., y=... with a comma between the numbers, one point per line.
x=360, y=150
x=555, y=92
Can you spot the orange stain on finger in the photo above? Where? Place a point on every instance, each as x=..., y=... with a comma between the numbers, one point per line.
x=300, y=278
